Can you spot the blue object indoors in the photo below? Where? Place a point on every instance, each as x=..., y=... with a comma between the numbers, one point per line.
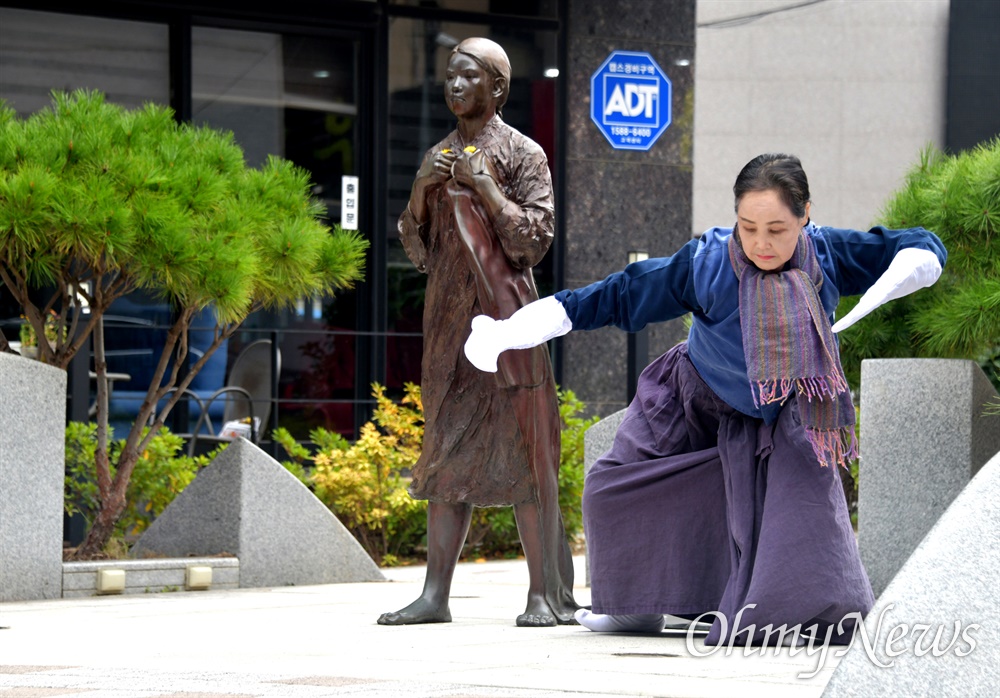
x=135, y=330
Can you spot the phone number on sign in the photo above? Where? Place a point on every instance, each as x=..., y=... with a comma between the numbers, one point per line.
x=631, y=131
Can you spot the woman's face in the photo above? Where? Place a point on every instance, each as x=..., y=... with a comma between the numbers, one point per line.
x=769, y=230
x=467, y=87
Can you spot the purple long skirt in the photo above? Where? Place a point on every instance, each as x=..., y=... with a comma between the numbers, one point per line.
x=699, y=508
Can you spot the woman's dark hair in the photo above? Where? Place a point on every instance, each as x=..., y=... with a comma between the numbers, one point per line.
x=777, y=171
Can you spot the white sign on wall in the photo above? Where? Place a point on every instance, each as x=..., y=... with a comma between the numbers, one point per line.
x=349, y=202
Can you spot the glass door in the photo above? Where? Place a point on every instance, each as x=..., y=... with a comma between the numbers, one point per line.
x=294, y=96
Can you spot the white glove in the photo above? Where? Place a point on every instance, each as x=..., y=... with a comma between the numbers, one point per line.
x=910, y=270
x=534, y=324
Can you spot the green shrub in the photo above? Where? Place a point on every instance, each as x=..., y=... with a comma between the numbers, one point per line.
x=957, y=197
x=365, y=483
x=161, y=473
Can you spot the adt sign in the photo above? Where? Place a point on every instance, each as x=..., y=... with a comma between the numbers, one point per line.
x=630, y=100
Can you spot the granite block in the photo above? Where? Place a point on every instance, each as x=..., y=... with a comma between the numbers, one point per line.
x=246, y=504
x=151, y=564
x=615, y=208
x=603, y=384
x=597, y=441
x=79, y=581
x=633, y=208
x=225, y=577
x=949, y=585
x=32, y=472
x=599, y=384
x=154, y=579
x=924, y=435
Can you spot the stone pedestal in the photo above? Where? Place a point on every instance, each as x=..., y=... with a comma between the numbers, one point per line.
x=923, y=437
x=32, y=472
x=246, y=504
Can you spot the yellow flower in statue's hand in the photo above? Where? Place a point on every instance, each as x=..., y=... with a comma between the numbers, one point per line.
x=470, y=148
x=446, y=150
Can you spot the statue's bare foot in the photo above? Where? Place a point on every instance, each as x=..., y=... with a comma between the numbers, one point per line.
x=566, y=617
x=420, y=611
x=537, y=614
x=563, y=609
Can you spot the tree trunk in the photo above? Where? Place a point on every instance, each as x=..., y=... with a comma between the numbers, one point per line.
x=112, y=492
x=107, y=517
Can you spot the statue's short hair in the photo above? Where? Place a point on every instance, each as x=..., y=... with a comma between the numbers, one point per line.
x=491, y=56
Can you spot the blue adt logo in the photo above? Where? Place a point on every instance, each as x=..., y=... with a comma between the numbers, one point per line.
x=630, y=100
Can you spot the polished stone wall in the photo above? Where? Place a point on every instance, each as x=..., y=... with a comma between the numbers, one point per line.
x=620, y=200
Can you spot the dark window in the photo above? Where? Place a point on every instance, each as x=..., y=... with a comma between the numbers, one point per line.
x=294, y=97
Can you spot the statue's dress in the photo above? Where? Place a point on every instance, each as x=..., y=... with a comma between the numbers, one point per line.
x=474, y=451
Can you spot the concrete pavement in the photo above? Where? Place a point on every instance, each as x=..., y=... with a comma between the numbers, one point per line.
x=308, y=642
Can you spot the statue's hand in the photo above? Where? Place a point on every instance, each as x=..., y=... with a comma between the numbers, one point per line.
x=474, y=170
x=436, y=168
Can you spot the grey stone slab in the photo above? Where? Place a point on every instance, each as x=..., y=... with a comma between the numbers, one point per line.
x=924, y=435
x=598, y=438
x=79, y=593
x=597, y=441
x=246, y=504
x=32, y=472
x=148, y=579
x=225, y=576
x=951, y=584
x=79, y=581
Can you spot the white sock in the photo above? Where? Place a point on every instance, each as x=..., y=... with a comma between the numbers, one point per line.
x=626, y=623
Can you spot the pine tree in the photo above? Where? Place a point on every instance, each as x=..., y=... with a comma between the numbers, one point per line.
x=97, y=201
x=957, y=197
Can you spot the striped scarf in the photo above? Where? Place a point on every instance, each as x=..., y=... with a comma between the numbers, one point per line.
x=790, y=347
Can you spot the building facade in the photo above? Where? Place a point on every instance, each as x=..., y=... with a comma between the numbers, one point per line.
x=854, y=88
x=355, y=88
